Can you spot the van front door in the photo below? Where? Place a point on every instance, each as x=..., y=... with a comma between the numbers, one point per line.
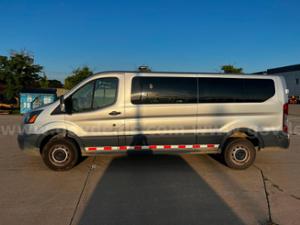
x=97, y=112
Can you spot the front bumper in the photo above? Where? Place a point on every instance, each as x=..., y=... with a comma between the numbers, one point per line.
x=28, y=143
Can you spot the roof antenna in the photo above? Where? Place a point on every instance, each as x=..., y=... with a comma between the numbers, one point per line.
x=144, y=69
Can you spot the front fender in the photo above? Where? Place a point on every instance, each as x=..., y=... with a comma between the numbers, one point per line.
x=44, y=137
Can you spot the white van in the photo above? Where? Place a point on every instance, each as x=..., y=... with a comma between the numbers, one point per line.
x=119, y=112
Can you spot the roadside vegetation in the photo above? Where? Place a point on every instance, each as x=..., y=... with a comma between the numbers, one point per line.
x=19, y=71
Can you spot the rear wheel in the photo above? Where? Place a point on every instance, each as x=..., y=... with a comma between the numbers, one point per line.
x=239, y=154
x=60, y=154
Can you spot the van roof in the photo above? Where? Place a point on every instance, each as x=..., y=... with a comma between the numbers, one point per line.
x=159, y=72
x=188, y=73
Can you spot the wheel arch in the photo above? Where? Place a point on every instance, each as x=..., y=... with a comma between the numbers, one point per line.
x=46, y=137
x=249, y=134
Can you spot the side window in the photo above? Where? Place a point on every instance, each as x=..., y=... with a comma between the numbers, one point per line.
x=82, y=99
x=105, y=92
x=95, y=95
x=226, y=90
x=164, y=90
x=258, y=90
x=218, y=90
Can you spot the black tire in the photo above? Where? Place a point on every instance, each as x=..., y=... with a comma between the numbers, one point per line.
x=239, y=154
x=60, y=154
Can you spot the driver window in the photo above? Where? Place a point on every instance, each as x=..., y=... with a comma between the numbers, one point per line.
x=82, y=99
x=95, y=95
x=105, y=92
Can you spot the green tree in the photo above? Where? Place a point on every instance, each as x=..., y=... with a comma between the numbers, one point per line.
x=18, y=71
x=77, y=76
x=55, y=84
x=230, y=69
x=44, y=82
x=3, y=65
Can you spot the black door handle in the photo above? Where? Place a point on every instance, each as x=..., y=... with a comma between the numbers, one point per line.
x=114, y=113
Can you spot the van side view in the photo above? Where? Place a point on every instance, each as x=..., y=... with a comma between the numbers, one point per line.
x=159, y=112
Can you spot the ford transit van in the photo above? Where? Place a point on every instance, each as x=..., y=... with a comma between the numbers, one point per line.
x=159, y=112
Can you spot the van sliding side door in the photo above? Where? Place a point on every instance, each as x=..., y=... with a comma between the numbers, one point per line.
x=161, y=110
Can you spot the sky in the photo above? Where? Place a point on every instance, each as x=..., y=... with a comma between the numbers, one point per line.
x=165, y=35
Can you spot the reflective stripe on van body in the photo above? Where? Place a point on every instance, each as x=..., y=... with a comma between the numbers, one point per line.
x=152, y=147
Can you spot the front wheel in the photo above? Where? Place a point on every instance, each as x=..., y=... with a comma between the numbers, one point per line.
x=60, y=154
x=239, y=154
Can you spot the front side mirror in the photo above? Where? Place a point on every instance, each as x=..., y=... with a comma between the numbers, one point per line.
x=68, y=105
x=62, y=103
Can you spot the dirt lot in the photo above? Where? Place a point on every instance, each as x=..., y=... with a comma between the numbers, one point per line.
x=189, y=189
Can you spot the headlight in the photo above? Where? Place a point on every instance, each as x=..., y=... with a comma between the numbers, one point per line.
x=31, y=117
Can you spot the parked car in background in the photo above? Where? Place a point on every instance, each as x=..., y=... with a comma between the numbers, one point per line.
x=293, y=100
x=8, y=105
x=119, y=112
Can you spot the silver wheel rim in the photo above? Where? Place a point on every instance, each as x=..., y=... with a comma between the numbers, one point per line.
x=240, y=155
x=59, y=155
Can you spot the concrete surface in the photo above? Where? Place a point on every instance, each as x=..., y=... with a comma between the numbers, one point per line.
x=189, y=189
